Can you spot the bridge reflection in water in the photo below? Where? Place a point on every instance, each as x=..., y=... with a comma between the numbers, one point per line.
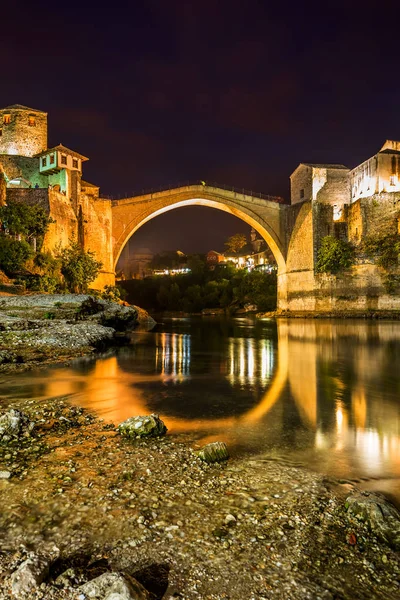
x=323, y=391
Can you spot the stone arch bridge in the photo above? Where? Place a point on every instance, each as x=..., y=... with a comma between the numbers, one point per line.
x=286, y=229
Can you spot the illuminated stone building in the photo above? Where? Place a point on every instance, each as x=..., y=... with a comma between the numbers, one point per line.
x=52, y=177
x=378, y=174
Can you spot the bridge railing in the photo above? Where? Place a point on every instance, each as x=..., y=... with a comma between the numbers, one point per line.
x=208, y=184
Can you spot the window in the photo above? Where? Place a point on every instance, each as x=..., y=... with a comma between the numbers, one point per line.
x=1, y=132
x=6, y=119
x=63, y=159
x=52, y=159
x=302, y=194
x=393, y=166
x=393, y=180
x=44, y=161
x=31, y=121
x=75, y=163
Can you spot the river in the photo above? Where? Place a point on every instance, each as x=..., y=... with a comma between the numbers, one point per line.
x=319, y=393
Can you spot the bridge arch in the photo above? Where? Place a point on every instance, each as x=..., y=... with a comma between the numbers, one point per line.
x=129, y=214
x=266, y=216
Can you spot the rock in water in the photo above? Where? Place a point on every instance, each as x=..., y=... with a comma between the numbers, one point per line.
x=215, y=452
x=29, y=575
x=147, y=426
x=14, y=424
x=113, y=586
x=382, y=518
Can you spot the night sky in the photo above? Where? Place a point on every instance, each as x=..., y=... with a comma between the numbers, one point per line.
x=158, y=93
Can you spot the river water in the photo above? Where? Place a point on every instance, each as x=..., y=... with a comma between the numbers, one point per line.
x=321, y=393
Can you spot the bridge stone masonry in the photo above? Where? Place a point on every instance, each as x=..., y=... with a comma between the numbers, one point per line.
x=326, y=199
x=268, y=217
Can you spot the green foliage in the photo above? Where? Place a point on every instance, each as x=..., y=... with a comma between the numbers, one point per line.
x=42, y=283
x=236, y=242
x=392, y=283
x=49, y=315
x=13, y=254
x=29, y=221
x=334, y=255
x=226, y=288
x=79, y=267
x=113, y=293
x=384, y=248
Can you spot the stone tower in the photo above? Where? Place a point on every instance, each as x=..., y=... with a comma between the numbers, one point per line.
x=23, y=130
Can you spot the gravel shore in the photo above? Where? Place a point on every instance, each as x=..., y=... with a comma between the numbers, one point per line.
x=247, y=529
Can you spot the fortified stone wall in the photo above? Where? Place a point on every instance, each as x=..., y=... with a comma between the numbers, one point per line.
x=97, y=227
x=364, y=287
x=333, y=186
x=96, y=222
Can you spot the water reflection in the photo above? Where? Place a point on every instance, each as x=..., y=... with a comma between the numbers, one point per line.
x=325, y=392
x=173, y=355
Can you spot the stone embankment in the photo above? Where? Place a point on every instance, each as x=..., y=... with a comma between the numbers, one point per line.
x=91, y=512
x=44, y=328
x=337, y=314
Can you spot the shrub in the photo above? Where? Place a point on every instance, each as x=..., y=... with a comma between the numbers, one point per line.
x=384, y=248
x=334, y=255
x=13, y=254
x=79, y=267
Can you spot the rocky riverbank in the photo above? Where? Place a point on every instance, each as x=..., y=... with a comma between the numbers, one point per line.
x=44, y=328
x=80, y=501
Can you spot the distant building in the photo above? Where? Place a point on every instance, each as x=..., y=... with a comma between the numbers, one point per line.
x=255, y=254
x=135, y=265
x=213, y=257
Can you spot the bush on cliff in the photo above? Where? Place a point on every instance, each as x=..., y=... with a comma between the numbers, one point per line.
x=79, y=267
x=334, y=255
x=30, y=222
x=13, y=254
x=384, y=248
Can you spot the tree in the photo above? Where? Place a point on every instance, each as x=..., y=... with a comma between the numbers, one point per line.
x=28, y=221
x=13, y=254
x=236, y=242
x=79, y=267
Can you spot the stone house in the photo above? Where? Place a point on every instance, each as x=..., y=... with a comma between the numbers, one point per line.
x=52, y=178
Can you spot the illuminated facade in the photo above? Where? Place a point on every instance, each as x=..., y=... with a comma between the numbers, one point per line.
x=32, y=173
x=378, y=174
x=337, y=185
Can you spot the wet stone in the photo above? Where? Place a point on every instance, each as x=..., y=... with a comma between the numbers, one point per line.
x=113, y=586
x=142, y=426
x=382, y=518
x=14, y=424
x=29, y=575
x=214, y=452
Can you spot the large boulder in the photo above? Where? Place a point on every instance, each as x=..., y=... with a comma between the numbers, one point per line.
x=382, y=518
x=214, y=452
x=108, y=313
x=29, y=575
x=13, y=425
x=146, y=426
x=112, y=586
